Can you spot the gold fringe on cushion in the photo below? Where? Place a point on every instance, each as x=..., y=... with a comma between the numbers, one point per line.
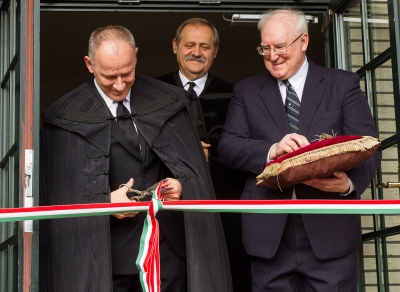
x=362, y=144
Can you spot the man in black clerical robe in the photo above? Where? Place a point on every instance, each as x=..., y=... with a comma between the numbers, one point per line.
x=196, y=45
x=85, y=155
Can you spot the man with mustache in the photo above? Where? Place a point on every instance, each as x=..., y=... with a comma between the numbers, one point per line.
x=196, y=44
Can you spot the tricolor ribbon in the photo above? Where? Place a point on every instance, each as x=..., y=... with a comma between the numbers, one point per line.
x=363, y=207
x=148, y=260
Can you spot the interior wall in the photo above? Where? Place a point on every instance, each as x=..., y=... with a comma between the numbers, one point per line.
x=64, y=37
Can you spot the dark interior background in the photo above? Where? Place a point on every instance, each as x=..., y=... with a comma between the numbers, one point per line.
x=64, y=38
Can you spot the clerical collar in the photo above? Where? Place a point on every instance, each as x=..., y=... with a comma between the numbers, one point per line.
x=200, y=82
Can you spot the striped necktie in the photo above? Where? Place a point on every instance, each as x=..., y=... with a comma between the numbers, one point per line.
x=292, y=106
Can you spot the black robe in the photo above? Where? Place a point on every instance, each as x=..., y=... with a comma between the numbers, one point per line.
x=75, y=252
x=228, y=183
x=214, y=100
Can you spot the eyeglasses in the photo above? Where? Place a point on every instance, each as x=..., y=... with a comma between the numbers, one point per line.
x=280, y=49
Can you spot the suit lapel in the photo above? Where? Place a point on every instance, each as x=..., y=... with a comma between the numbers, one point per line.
x=142, y=143
x=313, y=92
x=272, y=99
x=123, y=140
x=149, y=125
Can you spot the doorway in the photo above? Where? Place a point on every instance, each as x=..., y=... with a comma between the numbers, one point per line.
x=64, y=41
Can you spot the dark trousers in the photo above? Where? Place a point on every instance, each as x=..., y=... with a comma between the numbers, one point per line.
x=295, y=267
x=172, y=269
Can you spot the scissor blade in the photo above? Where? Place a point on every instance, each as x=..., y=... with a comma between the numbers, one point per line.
x=154, y=187
x=163, y=190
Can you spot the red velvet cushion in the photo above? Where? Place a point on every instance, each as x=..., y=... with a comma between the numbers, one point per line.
x=317, y=160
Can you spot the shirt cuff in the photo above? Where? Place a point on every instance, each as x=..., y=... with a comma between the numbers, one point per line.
x=350, y=190
x=268, y=160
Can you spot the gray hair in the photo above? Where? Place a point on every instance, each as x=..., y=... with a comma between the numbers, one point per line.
x=302, y=24
x=109, y=33
x=197, y=21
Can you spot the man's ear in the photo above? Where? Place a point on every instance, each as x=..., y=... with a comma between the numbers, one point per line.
x=174, y=46
x=216, y=51
x=88, y=64
x=304, y=41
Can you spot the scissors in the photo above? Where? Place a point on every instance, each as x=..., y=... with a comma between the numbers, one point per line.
x=145, y=193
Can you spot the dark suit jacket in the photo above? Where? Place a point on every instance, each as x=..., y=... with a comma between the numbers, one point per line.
x=331, y=101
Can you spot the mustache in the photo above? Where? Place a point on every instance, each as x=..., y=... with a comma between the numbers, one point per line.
x=194, y=58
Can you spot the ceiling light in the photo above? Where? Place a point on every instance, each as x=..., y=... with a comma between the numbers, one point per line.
x=254, y=18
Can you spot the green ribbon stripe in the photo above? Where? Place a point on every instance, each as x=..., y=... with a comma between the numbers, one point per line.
x=212, y=207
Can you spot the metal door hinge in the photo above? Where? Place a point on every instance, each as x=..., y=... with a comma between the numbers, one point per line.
x=28, y=187
x=28, y=173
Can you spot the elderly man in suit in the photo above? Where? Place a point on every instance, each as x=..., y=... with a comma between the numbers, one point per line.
x=276, y=113
x=196, y=45
x=120, y=128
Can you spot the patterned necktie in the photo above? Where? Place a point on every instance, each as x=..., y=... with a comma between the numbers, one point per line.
x=194, y=106
x=126, y=125
x=292, y=106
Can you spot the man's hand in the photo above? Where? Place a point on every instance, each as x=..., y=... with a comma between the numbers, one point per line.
x=205, y=148
x=175, y=193
x=119, y=196
x=289, y=143
x=338, y=183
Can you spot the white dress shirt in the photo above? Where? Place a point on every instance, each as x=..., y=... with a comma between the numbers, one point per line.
x=200, y=83
x=112, y=105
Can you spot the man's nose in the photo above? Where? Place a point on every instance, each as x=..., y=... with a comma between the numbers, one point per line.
x=119, y=84
x=196, y=51
x=272, y=55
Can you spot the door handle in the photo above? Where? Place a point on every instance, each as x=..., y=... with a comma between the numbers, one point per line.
x=388, y=185
x=391, y=184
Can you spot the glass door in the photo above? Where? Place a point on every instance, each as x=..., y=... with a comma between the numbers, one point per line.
x=9, y=108
x=367, y=43
x=18, y=139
